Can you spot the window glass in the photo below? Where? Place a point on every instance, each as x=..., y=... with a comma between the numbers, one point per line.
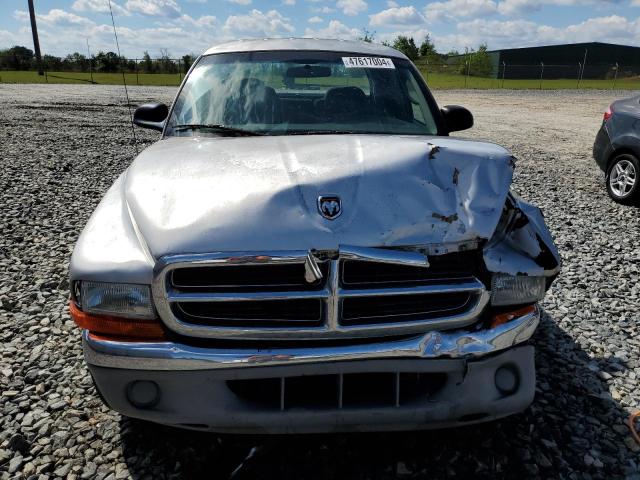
x=303, y=92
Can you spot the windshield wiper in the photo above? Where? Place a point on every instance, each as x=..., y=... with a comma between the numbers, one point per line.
x=322, y=132
x=238, y=132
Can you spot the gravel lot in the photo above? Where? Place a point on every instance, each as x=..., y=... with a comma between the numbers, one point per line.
x=62, y=146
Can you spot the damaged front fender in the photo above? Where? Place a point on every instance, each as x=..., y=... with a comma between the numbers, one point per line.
x=522, y=243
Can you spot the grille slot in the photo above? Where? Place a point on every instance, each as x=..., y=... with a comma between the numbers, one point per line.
x=256, y=314
x=402, y=308
x=269, y=276
x=339, y=391
x=361, y=292
x=452, y=266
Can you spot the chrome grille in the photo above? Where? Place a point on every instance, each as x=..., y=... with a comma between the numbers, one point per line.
x=355, y=292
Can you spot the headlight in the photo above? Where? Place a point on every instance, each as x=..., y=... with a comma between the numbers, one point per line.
x=516, y=290
x=117, y=299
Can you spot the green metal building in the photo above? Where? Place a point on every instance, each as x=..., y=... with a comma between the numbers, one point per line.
x=592, y=60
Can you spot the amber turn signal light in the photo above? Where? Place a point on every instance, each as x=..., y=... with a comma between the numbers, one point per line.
x=503, y=318
x=116, y=326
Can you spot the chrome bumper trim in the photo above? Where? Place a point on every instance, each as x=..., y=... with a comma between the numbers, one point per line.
x=164, y=296
x=432, y=345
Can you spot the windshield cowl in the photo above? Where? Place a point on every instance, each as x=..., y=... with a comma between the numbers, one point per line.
x=220, y=129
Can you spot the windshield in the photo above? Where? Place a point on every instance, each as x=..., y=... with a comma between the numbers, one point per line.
x=301, y=92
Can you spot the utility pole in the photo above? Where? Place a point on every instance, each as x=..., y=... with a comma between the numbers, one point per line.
x=36, y=42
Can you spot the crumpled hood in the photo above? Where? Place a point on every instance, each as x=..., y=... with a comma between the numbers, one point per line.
x=197, y=195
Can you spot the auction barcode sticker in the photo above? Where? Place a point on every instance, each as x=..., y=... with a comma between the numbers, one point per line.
x=367, y=62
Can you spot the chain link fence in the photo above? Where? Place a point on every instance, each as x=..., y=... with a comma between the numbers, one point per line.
x=109, y=69
x=101, y=69
x=539, y=75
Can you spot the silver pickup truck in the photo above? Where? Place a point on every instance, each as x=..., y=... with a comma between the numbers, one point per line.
x=305, y=249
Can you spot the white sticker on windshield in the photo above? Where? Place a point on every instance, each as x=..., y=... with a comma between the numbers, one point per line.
x=367, y=62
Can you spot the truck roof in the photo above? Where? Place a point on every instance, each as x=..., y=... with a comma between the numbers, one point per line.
x=270, y=44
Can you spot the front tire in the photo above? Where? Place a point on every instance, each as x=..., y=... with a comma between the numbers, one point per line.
x=623, y=184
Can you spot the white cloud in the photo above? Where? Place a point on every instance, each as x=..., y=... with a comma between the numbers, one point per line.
x=154, y=8
x=98, y=6
x=397, y=16
x=450, y=9
x=518, y=7
x=60, y=17
x=351, y=7
x=9, y=39
x=205, y=21
x=524, y=33
x=61, y=34
x=324, y=10
x=522, y=7
x=476, y=21
x=240, y=2
x=289, y=3
x=335, y=29
x=21, y=15
x=392, y=3
x=258, y=24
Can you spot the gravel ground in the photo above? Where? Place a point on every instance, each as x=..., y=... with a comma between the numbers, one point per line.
x=62, y=146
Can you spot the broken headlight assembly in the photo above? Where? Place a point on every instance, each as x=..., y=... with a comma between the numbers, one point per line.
x=118, y=299
x=516, y=289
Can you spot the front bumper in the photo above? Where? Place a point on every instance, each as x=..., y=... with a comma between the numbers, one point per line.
x=193, y=389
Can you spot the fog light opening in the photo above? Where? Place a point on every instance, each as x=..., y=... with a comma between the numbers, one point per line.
x=143, y=393
x=507, y=380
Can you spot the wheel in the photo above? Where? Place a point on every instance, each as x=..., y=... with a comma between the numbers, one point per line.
x=622, y=179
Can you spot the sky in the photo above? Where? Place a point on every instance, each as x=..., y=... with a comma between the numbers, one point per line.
x=191, y=26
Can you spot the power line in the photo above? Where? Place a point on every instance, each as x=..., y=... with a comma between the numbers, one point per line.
x=124, y=80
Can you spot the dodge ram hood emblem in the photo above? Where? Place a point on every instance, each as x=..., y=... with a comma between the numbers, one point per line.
x=329, y=206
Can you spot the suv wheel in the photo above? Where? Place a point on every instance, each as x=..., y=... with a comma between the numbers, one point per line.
x=622, y=179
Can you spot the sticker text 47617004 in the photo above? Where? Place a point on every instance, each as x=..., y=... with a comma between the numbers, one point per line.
x=367, y=62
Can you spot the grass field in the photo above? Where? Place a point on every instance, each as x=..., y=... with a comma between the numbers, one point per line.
x=436, y=80
x=161, y=79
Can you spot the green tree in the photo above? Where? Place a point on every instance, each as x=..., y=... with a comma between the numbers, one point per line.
x=76, y=62
x=187, y=61
x=165, y=62
x=107, y=62
x=407, y=46
x=52, y=63
x=477, y=62
x=147, y=63
x=16, y=58
x=428, y=52
x=427, y=47
x=367, y=36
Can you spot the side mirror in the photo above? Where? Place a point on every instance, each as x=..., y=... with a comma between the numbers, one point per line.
x=151, y=115
x=457, y=118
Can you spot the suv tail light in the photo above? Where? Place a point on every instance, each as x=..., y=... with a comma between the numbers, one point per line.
x=608, y=114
